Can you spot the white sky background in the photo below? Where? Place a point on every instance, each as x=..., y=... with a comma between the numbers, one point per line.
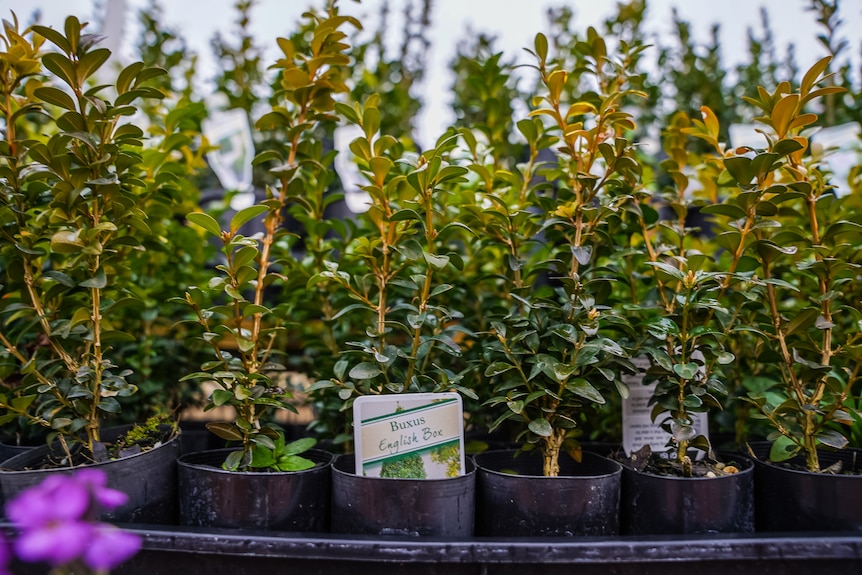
x=514, y=22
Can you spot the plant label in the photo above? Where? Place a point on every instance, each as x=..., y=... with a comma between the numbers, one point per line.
x=638, y=427
x=231, y=162
x=413, y=435
x=840, y=148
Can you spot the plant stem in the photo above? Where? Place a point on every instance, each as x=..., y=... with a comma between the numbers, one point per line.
x=430, y=237
x=808, y=424
x=551, y=453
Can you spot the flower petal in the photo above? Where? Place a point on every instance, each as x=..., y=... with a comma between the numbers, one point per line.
x=70, y=500
x=92, y=477
x=57, y=544
x=97, y=481
x=109, y=547
x=30, y=508
x=110, y=498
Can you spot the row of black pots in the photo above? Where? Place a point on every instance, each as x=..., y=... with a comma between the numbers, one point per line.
x=498, y=496
x=503, y=496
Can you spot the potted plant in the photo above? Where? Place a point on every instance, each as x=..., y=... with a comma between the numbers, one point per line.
x=552, y=351
x=677, y=295
x=406, y=337
x=74, y=206
x=264, y=482
x=798, y=233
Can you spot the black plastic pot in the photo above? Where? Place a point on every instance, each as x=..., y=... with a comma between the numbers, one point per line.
x=413, y=507
x=149, y=479
x=296, y=501
x=515, y=500
x=196, y=437
x=662, y=505
x=8, y=449
x=796, y=500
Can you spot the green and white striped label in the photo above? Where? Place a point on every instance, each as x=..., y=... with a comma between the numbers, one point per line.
x=416, y=435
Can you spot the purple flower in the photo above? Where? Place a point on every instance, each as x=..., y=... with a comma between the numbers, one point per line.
x=56, y=543
x=97, y=481
x=51, y=517
x=110, y=547
x=55, y=519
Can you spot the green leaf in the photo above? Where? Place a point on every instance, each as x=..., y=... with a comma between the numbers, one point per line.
x=110, y=405
x=541, y=45
x=728, y=210
x=365, y=370
x=497, y=368
x=832, y=439
x=54, y=37
x=670, y=270
x=300, y=446
x=786, y=147
x=55, y=96
x=243, y=216
x=264, y=441
x=21, y=403
x=126, y=75
x=515, y=406
x=233, y=460
x=226, y=431
x=803, y=320
x=740, y=168
x=442, y=288
x=380, y=167
x=410, y=249
x=99, y=281
x=685, y=370
x=541, y=427
x=66, y=242
x=582, y=388
x=81, y=315
x=205, y=221
x=783, y=449
x=405, y=214
x=370, y=122
x=221, y=396
x=435, y=261
x=261, y=456
x=293, y=463
x=90, y=62
x=61, y=66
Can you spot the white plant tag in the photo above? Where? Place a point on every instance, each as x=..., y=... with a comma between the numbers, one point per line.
x=638, y=427
x=412, y=435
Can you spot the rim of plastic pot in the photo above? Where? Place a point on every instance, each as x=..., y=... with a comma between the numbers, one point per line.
x=738, y=457
x=568, y=468
x=344, y=465
x=34, y=454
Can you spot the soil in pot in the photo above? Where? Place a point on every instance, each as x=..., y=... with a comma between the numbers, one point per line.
x=144, y=468
x=514, y=499
x=396, y=506
x=296, y=501
x=790, y=498
x=657, y=499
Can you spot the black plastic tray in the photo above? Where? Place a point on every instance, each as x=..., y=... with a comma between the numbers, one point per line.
x=170, y=550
